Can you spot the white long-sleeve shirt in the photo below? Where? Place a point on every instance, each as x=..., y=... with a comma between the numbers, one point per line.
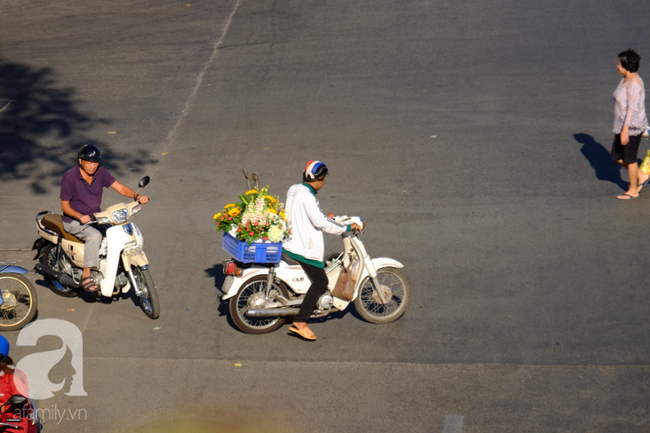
x=307, y=223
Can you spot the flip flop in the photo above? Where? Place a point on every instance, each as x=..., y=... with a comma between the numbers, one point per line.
x=89, y=283
x=644, y=184
x=627, y=195
x=303, y=333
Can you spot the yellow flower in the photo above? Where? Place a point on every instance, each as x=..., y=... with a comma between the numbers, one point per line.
x=252, y=191
x=273, y=211
x=216, y=216
x=282, y=215
x=233, y=212
x=268, y=197
x=229, y=206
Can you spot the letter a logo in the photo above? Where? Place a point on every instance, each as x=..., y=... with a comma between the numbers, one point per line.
x=37, y=366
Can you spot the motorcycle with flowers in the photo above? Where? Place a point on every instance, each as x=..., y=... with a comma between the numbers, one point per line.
x=265, y=287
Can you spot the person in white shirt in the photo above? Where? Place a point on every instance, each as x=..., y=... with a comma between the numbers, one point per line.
x=306, y=244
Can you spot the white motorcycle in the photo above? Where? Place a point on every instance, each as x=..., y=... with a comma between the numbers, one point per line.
x=263, y=295
x=122, y=262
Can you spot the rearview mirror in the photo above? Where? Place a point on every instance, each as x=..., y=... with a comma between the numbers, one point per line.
x=17, y=400
x=144, y=182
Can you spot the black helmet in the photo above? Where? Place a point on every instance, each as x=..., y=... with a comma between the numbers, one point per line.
x=89, y=152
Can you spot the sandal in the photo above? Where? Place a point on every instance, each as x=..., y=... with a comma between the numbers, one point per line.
x=89, y=284
x=304, y=333
x=628, y=197
x=643, y=185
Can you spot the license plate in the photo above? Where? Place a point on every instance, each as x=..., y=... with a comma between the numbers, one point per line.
x=227, y=283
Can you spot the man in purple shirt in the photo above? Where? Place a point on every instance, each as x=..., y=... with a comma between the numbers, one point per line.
x=81, y=196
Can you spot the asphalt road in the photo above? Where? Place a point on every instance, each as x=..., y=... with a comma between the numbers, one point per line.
x=473, y=139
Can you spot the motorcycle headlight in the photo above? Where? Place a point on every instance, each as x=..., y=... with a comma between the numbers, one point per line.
x=136, y=209
x=120, y=215
x=103, y=220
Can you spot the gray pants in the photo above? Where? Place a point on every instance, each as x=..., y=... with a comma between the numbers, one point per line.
x=92, y=241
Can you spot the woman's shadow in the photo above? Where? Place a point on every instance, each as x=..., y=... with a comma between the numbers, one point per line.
x=600, y=160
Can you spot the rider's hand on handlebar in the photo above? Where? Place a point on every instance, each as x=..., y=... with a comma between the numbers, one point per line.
x=85, y=219
x=143, y=199
x=331, y=216
x=355, y=227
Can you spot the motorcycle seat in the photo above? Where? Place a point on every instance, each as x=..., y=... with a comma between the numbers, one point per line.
x=54, y=222
x=288, y=260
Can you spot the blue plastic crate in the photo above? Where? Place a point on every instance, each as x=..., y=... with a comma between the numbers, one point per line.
x=253, y=253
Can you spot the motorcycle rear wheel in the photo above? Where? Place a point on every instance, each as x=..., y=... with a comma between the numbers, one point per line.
x=48, y=259
x=239, y=304
x=148, y=296
x=395, y=287
x=20, y=300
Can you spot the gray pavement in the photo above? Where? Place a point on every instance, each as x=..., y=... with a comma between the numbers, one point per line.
x=472, y=138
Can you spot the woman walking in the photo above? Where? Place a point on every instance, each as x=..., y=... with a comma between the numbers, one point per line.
x=630, y=122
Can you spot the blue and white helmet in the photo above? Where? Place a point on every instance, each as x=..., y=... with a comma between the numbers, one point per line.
x=4, y=348
x=315, y=169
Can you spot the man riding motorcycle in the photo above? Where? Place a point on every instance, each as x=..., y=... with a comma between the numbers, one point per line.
x=81, y=197
x=306, y=243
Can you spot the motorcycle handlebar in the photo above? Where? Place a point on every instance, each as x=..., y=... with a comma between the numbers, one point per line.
x=93, y=220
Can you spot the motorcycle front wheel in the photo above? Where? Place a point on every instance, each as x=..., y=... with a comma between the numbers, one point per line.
x=148, y=295
x=48, y=259
x=250, y=295
x=396, y=290
x=19, y=302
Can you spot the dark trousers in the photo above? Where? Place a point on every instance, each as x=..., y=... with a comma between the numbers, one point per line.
x=627, y=153
x=319, y=282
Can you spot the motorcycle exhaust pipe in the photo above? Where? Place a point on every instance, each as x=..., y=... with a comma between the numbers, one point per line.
x=273, y=312
x=62, y=278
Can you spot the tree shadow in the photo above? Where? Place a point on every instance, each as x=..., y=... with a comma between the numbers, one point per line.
x=600, y=160
x=41, y=129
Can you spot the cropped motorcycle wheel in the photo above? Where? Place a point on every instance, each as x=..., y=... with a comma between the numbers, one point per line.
x=396, y=290
x=251, y=295
x=148, y=295
x=19, y=301
x=48, y=259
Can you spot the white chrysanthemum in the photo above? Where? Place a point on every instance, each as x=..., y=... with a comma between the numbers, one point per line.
x=275, y=234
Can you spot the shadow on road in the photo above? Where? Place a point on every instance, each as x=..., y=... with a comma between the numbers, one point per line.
x=91, y=298
x=600, y=160
x=41, y=129
x=216, y=272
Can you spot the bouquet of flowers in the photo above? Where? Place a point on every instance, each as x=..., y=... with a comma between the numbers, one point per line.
x=257, y=217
